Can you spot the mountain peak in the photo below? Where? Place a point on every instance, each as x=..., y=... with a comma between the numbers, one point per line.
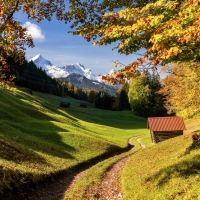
x=73, y=73
x=41, y=62
x=62, y=71
x=37, y=57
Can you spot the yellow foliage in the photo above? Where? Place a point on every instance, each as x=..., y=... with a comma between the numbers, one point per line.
x=13, y=37
x=182, y=89
x=115, y=64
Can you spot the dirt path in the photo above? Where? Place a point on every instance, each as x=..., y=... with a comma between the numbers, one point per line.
x=55, y=189
x=109, y=189
x=140, y=143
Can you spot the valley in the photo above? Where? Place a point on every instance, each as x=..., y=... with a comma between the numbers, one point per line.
x=44, y=145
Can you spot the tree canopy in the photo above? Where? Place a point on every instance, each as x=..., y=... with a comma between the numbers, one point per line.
x=143, y=95
x=121, y=100
x=13, y=37
x=79, y=13
x=167, y=30
x=181, y=89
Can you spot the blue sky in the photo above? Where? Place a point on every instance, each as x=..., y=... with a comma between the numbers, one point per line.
x=56, y=45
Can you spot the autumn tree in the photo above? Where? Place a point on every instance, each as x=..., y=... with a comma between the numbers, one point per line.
x=70, y=89
x=168, y=31
x=13, y=37
x=181, y=88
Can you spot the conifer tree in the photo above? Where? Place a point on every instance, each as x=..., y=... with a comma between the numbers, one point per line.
x=121, y=99
x=144, y=97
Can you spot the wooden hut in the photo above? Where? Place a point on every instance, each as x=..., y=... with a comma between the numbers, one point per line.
x=162, y=128
x=83, y=104
x=65, y=104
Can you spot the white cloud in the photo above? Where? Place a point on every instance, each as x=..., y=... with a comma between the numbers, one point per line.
x=34, y=30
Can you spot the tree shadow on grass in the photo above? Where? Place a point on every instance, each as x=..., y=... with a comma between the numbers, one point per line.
x=12, y=153
x=116, y=119
x=195, y=145
x=30, y=141
x=26, y=125
x=44, y=104
x=184, y=169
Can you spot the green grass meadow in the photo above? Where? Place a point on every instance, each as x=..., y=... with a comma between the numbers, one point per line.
x=39, y=140
x=169, y=170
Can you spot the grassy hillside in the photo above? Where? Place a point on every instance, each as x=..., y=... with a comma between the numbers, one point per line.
x=167, y=170
x=38, y=139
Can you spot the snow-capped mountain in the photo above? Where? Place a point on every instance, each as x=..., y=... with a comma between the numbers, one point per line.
x=63, y=71
x=74, y=73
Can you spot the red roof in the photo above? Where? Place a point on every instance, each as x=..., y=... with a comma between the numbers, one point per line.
x=165, y=123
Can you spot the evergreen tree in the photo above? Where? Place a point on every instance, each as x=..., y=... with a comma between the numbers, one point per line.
x=91, y=96
x=121, y=99
x=143, y=95
x=103, y=100
x=97, y=100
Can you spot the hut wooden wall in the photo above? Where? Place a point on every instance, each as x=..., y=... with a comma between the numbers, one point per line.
x=159, y=136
